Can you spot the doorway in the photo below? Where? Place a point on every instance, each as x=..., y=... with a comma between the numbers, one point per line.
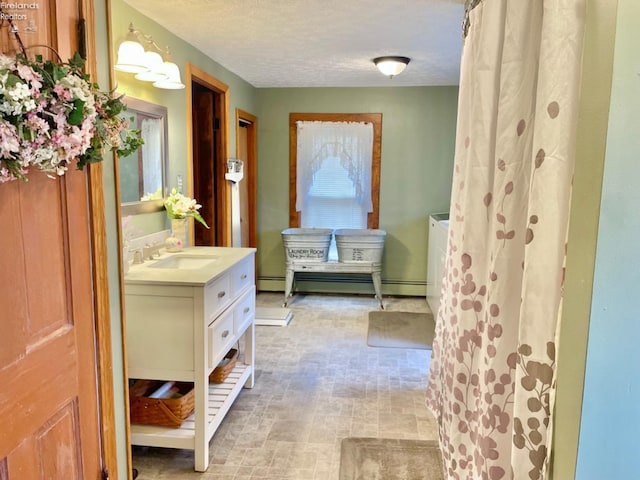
x=246, y=150
x=209, y=134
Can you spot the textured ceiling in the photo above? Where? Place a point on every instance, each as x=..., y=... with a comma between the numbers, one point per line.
x=319, y=43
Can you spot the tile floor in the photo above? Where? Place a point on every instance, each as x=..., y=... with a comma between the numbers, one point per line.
x=317, y=382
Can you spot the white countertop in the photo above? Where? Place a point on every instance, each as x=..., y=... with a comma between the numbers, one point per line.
x=146, y=274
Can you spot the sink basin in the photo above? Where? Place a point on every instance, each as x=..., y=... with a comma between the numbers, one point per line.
x=185, y=262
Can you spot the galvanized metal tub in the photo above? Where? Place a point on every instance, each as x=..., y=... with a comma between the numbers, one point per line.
x=360, y=245
x=306, y=244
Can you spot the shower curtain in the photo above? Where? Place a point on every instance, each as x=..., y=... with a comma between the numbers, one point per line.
x=493, y=368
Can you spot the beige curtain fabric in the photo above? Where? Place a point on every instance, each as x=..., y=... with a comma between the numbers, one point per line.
x=492, y=378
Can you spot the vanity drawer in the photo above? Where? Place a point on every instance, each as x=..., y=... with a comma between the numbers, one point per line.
x=217, y=296
x=244, y=313
x=220, y=338
x=243, y=275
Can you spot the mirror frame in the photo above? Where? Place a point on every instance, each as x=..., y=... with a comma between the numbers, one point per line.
x=157, y=111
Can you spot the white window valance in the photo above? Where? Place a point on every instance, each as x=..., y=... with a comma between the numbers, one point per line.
x=352, y=142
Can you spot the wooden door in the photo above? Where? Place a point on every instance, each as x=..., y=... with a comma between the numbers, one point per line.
x=246, y=150
x=209, y=125
x=243, y=186
x=49, y=399
x=204, y=157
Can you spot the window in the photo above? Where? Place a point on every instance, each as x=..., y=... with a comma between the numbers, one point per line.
x=331, y=201
x=336, y=193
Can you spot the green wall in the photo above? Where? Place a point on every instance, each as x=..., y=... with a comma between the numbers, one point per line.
x=418, y=136
x=583, y=233
x=609, y=446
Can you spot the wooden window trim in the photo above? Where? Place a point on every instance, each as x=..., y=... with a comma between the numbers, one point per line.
x=373, y=217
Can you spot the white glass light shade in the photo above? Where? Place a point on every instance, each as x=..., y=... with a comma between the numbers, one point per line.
x=391, y=66
x=172, y=82
x=154, y=64
x=130, y=57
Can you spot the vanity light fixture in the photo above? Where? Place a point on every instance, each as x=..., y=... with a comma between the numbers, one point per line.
x=153, y=62
x=171, y=80
x=391, y=65
x=131, y=54
x=148, y=64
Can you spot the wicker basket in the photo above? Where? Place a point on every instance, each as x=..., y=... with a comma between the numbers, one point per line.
x=224, y=369
x=166, y=412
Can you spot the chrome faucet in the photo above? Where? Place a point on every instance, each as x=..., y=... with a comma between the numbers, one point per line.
x=138, y=257
x=149, y=252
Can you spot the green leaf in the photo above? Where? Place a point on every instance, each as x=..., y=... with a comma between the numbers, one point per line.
x=12, y=80
x=58, y=72
x=130, y=143
x=199, y=218
x=76, y=116
x=77, y=62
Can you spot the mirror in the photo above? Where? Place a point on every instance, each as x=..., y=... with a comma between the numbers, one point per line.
x=143, y=174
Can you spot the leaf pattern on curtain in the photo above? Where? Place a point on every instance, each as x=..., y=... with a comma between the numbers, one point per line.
x=492, y=375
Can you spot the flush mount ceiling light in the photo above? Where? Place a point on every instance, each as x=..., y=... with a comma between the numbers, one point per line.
x=391, y=66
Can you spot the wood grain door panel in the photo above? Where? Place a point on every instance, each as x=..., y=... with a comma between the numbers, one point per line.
x=37, y=29
x=243, y=186
x=45, y=268
x=48, y=399
x=204, y=164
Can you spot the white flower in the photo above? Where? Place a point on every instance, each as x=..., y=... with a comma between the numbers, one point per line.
x=77, y=87
x=7, y=62
x=180, y=206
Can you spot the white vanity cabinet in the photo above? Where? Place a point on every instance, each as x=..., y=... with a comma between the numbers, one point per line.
x=438, y=235
x=180, y=323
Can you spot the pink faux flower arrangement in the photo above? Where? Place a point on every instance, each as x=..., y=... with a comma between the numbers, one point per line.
x=52, y=115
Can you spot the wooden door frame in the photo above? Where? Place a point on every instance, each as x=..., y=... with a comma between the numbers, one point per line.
x=102, y=313
x=373, y=217
x=251, y=169
x=223, y=197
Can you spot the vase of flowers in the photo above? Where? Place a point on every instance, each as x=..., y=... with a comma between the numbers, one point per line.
x=52, y=116
x=178, y=239
x=179, y=209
